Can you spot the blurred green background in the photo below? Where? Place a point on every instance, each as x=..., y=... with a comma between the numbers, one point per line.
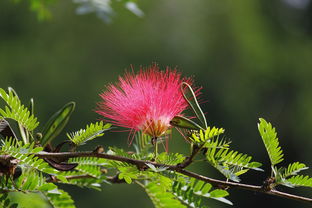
x=252, y=58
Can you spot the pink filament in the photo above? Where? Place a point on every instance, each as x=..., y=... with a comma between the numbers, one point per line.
x=147, y=100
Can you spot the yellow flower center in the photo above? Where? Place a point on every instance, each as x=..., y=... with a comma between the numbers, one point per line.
x=154, y=128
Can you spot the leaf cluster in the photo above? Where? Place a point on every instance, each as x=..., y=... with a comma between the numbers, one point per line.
x=161, y=197
x=23, y=171
x=5, y=201
x=283, y=176
x=157, y=173
x=192, y=191
x=218, y=153
x=25, y=153
x=16, y=111
x=90, y=132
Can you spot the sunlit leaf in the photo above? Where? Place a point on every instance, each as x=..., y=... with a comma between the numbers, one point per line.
x=270, y=140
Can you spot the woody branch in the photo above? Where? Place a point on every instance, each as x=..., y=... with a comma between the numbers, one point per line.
x=142, y=165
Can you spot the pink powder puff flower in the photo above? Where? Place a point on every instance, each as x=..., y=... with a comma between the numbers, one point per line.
x=146, y=101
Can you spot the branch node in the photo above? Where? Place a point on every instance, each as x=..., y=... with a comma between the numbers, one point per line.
x=268, y=184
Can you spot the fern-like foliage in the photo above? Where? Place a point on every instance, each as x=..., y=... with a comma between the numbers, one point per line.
x=229, y=162
x=191, y=192
x=16, y=111
x=160, y=197
x=165, y=187
x=88, y=161
x=204, y=136
x=82, y=179
x=217, y=143
x=25, y=153
x=92, y=170
x=231, y=157
x=93, y=166
x=270, y=140
x=61, y=199
x=89, y=165
x=128, y=173
x=299, y=180
x=289, y=176
x=293, y=169
x=92, y=131
x=170, y=158
x=5, y=201
x=34, y=181
x=30, y=180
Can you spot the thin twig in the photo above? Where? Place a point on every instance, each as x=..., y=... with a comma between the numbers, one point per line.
x=141, y=164
x=189, y=160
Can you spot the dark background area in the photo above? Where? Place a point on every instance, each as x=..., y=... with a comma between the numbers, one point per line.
x=252, y=58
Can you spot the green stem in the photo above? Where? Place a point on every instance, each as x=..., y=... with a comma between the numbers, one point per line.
x=155, y=148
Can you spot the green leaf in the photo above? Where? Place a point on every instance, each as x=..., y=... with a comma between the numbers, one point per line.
x=16, y=111
x=125, y=177
x=229, y=162
x=270, y=140
x=11, y=90
x=25, y=154
x=185, y=123
x=92, y=170
x=293, y=169
x=30, y=180
x=57, y=123
x=89, y=182
x=92, y=131
x=93, y=183
x=47, y=187
x=128, y=173
x=231, y=157
x=218, y=193
x=300, y=180
x=191, y=192
x=190, y=97
x=161, y=197
x=62, y=200
x=170, y=158
x=206, y=135
x=5, y=201
x=88, y=161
